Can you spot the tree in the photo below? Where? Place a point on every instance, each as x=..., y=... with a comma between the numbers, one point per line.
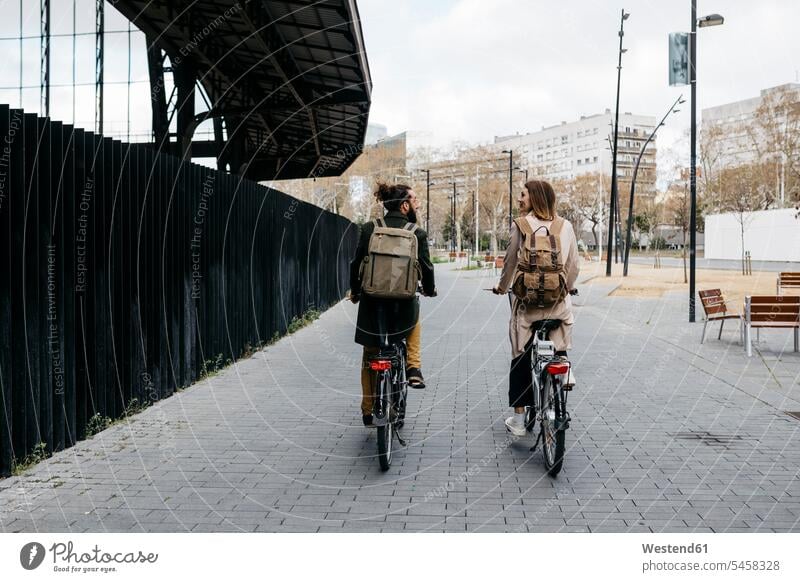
x=775, y=135
x=740, y=186
x=582, y=199
x=677, y=209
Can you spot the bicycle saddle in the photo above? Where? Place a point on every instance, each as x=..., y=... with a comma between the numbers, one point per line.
x=546, y=325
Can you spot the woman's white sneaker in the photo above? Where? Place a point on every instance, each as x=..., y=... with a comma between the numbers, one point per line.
x=515, y=427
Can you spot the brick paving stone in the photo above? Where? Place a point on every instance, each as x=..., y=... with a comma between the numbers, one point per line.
x=667, y=436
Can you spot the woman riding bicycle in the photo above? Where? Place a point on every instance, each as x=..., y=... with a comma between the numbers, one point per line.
x=537, y=205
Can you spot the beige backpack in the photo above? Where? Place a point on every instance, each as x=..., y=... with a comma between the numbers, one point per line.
x=390, y=270
x=540, y=280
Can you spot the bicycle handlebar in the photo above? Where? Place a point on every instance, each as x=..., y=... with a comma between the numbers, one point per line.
x=571, y=291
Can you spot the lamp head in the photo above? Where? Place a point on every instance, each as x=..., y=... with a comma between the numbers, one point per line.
x=710, y=20
x=625, y=15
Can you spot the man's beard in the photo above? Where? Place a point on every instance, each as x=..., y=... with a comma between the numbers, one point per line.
x=412, y=216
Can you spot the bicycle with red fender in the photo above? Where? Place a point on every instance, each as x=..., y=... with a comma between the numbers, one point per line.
x=550, y=374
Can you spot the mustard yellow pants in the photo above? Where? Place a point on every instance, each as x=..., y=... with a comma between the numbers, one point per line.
x=414, y=360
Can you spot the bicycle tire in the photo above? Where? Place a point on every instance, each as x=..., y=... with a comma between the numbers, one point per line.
x=553, y=441
x=385, y=431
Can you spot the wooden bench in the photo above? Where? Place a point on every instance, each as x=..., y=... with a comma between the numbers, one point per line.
x=498, y=263
x=788, y=280
x=716, y=310
x=771, y=311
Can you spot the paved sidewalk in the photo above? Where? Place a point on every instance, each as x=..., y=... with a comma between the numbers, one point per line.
x=667, y=435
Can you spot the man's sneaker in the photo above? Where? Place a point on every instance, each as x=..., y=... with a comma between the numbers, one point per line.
x=514, y=428
x=367, y=418
x=415, y=379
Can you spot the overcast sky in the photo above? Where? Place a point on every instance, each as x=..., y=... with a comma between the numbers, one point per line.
x=469, y=69
x=472, y=69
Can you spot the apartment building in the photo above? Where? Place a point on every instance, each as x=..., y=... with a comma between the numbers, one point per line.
x=734, y=125
x=569, y=149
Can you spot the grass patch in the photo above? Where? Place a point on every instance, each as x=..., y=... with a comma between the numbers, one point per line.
x=38, y=454
x=299, y=323
x=96, y=424
x=470, y=268
x=134, y=407
x=438, y=260
x=212, y=367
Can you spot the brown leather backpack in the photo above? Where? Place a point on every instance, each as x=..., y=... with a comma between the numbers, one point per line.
x=540, y=280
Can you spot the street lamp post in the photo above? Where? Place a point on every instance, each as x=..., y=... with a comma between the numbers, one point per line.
x=710, y=20
x=633, y=181
x=614, y=193
x=453, y=214
x=428, y=201
x=476, y=203
x=510, y=187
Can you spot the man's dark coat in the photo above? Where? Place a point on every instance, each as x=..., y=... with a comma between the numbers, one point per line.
x=401, y=314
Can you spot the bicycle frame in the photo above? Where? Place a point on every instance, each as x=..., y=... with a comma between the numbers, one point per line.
x=389, y=386
x=548, y=373
x=543, y=356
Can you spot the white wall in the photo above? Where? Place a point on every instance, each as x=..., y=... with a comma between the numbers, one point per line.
x=770, y=235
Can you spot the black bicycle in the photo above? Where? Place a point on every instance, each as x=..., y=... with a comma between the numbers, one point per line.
x=549, y=373
x=390, y=391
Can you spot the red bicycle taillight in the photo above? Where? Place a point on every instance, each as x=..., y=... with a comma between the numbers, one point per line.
x=380, y=365
x=556, y=369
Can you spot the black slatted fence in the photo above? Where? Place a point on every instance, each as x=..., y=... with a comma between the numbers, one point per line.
x=123, y=270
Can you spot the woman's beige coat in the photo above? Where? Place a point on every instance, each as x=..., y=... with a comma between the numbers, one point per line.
x=523, y=317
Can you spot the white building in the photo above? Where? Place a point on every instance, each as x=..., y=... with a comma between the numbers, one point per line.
x=769, y=235
x=735, y=124
x=375, y=133
x=580, y=147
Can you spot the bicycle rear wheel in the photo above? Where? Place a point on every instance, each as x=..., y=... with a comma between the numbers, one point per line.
x=553, y=435
x=383, y=411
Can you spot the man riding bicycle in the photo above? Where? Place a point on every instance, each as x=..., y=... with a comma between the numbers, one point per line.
x=402, y=315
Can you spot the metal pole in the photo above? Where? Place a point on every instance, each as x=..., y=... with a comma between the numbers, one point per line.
x=476, y=225
x=44, y=85
x=453, y=230
x=128, y=101
x=612, y=214
x=475, y=206
x=98, y=65
x=20, y=55
x=693, y=161
x=633, y=183
x=428, y=196
x=510, y=190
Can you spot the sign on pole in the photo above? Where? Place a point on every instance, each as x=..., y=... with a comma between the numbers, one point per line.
x=678, y=58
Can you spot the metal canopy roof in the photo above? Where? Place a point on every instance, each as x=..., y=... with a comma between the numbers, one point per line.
x=290, y=79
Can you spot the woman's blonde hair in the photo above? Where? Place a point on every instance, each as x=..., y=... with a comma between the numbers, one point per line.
x=543, y=199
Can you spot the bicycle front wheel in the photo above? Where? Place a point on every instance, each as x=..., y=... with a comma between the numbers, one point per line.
x=553, y=439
